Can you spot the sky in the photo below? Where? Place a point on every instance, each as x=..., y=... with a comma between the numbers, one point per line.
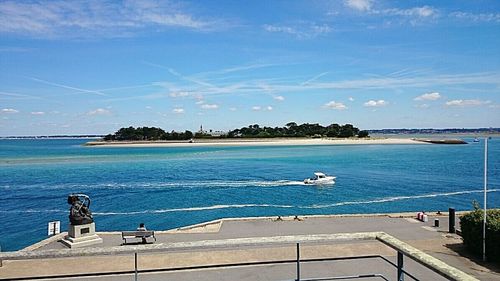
x=92, y=67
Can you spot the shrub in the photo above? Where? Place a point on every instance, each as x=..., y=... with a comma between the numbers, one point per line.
x=472, y=232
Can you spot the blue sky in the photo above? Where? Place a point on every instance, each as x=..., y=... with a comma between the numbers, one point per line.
x=85, y=67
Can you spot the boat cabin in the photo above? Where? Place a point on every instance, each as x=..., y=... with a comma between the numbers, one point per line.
x=319, y=176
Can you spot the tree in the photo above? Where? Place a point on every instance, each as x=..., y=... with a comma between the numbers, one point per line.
x=363, y=134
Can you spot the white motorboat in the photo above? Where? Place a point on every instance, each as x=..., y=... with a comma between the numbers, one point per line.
x=320, y=178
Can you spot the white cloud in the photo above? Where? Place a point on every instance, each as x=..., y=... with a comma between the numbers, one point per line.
x=367, y=6
x=37, y=113
x=91, y=18
x=303, y=31
x=490, y=17
x=373, y=103
x=360, y=5
x=99, y=111
x=428, y=96
x=351, y=99
x=200, y=102
x=423, y=105
x=335, y=105
x=209, y=106
x=423, y=12
x=279, y=98
x=178, y=110
x=259, y=108
x=9, y=110
x=179, y=94
x=465, y=103
x=149, y=107
x=232, y=108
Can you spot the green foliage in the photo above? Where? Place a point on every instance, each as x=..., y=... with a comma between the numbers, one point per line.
x=472, y=232
x=363, y=134
x=292, y=129
x=147, y=134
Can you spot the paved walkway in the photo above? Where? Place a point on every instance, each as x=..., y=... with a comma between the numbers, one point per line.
x=434, y=241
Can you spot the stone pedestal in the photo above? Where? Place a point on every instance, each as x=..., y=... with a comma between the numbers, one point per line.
x=81, y=235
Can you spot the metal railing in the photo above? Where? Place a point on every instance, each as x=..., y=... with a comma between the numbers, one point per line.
x=402, y=249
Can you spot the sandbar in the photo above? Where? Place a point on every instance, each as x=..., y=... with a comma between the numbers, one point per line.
x=255, y=142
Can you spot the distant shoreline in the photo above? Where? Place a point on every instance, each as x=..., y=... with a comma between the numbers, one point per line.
x=254, y=142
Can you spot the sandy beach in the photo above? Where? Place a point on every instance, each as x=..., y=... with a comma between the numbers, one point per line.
x=254, y=142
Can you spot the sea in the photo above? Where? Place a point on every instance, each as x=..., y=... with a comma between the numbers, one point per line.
x=172, y=187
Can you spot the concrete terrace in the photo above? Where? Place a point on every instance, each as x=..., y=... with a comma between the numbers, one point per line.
x=436, y=242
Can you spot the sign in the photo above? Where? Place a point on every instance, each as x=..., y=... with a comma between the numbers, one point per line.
x=54, y=228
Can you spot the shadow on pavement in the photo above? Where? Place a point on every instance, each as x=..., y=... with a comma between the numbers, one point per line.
x=460, y=249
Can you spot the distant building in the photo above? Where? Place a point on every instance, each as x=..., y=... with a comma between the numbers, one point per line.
x=217, y=133
x=211, y=132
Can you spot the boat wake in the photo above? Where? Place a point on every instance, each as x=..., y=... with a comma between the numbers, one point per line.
x=235, y=206
x=398, y=198
x=166, y=185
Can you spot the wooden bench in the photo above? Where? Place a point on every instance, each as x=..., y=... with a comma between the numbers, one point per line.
x=143, y=234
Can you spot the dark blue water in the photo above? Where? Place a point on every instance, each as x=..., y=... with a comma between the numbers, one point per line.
x=173, y=187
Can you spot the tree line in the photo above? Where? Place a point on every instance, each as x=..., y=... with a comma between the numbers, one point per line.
x=148, y=134
x=292, y=129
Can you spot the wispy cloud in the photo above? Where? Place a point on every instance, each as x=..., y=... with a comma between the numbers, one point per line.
x=236, y=69
x=428, y=96
x=360, y=5
x=262, y=108
x=68, y=87
x=16, y=96
x=375, y=103
x=209, y=106
x=466, y=103
x=179, y=75
x=335, y=105
x=476, y=17
x=178, y=94
x=96, y=18
x=264, y=85
x=99, y=111
x=9, y=110
x=423, y=105
x=413, y=15
x=178, y=110
x=302, y=31
x=422, y=12
x=314, y=78
x=37, y=113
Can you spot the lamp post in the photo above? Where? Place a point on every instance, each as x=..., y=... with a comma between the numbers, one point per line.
x=485, y=192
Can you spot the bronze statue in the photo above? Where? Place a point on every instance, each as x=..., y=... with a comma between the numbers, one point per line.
x=79, y=213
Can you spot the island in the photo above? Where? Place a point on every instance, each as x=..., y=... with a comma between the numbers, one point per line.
x=291, y=134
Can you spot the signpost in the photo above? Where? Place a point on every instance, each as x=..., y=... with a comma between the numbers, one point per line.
x=54, y=228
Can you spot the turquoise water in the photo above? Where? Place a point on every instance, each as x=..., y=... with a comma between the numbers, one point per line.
x=173, y=187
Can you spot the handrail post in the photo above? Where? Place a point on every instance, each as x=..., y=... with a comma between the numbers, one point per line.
x=298, y=262
x=401, y=276
x=135, y=265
